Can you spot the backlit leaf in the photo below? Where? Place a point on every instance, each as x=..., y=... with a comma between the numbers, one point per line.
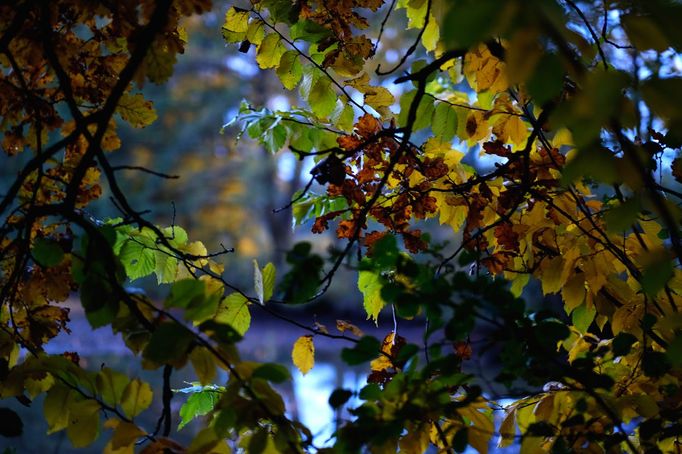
x=137, y=396
x=234, y=311
x=136, y=110
x=370, y=285
x=303, y=354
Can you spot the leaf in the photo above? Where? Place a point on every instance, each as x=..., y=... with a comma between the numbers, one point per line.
x=11, y=426
x=303, y=353
x=138, y=257
x=444, y=123
x=47, y=252
x=234, y=311
x=507, y=428
x=573, y=292
x=236, y=21
x=137, y=396
x=84, y=424
x=322, y=97
x=583, y=316
x=198, y=404
x=552, y=271
x=136, y=110
x=110, y=385
x=344, y=326
x=290, y=69
x=431, y=34
x=275, y=373
x=370, y=285
x=125, y=434
x=644, y=33
x=169, y=342
x=185, y=293
x=204, y=364
x=258, y=282
x=55, y=408
x=270, y=51
x=365, y=350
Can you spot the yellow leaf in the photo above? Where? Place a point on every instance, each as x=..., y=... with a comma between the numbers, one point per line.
x=476, y=127
x=627, y=318
x=551, y=275
x=303, y=353
x=256, y=32
x=573, y=292
x=382, y=362
x=508, y=428
x=83, y=426
x=344, y=326
x=431, y=34
x=137, y=396
x=136, y=110
x=270, y=51
x=416, y=440
x=125, y=434
x=512, y=128
x=379, y=98
x=236, y=25
x=518, y=284
x=479, y=436
x=207, y=441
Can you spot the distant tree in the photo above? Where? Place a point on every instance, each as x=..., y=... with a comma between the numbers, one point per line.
x=574, y=110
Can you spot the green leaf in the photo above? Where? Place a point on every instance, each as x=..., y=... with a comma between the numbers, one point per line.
x=270, y=51
x=138, y=257
x=274, y=138
x=547, y=80
x=234, y=311
x=290, y=70
x=656, y=275
x=137, y=397
x=55, y=408
x=186, y=292
x=470, y=21
x=111, y=385
x=276, y=373
x=674, y=351
x=168, y=343
x=444, y=122
x=322, y=97
x=308, y=31
x=166, y=267
x=47, y=252
x=622, y=217
x=370, y=285
x=198, y=404
x=582, y=317
x=366, y=349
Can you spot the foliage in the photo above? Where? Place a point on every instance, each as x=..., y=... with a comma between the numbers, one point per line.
x=574, y=105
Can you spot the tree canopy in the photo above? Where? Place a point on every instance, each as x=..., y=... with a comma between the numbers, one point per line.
x=542, y=133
